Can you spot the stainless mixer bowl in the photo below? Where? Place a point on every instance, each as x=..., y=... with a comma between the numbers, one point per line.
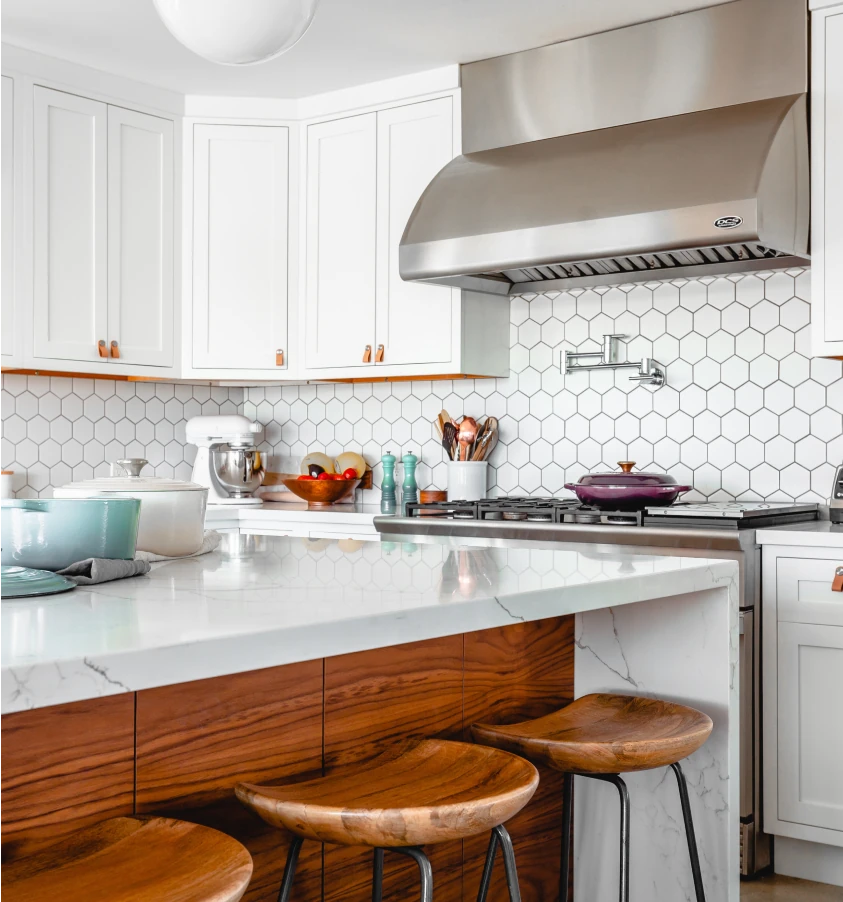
x=238, y=470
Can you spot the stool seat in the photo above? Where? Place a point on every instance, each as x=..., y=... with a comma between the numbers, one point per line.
x=604, y=734
x=425, y=791
x=133, y=859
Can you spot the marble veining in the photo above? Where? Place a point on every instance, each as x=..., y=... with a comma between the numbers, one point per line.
x=685, y=650
x=260, y=601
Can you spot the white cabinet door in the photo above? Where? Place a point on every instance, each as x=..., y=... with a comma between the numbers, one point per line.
x=240, y=178
x=7, y=197
x=810, y=724
x=70, y=228
x=414, y=320
x=140, y=237
x=340, y=267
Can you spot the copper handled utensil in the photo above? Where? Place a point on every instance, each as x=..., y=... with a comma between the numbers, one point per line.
x=467, y=436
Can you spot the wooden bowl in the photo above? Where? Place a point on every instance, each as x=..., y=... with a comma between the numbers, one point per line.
x=320, y=493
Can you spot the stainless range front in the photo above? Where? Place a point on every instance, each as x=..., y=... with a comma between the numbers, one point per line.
x=710, y=530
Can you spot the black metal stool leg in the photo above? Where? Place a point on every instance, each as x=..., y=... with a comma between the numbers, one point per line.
x=290, y=869
x=377, y=876
x=567, y=813
x=509, y=863
x=425, y=870
x=624, y=794
x=486, y=879
x=689, y=832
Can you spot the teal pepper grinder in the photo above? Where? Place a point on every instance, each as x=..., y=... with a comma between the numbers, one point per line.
x=388, y=484
x=409, y=490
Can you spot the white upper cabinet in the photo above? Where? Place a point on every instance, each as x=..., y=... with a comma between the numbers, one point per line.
x=140, y=238
x=341, y=209
x=102, y=235
x=827, y=178
x=70, y=228
x=365, y=174
x=7, y=197
x=414, y=143
x=240, y=212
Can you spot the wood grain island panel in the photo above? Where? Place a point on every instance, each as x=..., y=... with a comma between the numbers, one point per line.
x=196, y=741
x=180, y=750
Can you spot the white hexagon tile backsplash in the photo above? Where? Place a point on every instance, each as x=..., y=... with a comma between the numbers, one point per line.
x=745, y=413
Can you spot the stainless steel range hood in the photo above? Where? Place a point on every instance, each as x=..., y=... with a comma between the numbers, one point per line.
x=674, y=148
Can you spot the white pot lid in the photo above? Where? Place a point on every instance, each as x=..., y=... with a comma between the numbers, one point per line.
x=133, y=484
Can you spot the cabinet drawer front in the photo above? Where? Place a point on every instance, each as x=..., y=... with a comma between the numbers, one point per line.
x=810, y=724
x=804, y=593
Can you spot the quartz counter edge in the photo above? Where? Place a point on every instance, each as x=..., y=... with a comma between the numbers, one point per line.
x=197, y=618
x=815, y=534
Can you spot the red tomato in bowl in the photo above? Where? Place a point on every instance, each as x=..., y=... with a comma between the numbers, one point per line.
x=324, y=476
x=350, y=473
x=305, y=477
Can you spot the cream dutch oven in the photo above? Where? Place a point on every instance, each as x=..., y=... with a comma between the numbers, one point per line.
x=172, y=515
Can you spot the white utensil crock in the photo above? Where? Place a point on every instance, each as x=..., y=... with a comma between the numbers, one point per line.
x=467, y=480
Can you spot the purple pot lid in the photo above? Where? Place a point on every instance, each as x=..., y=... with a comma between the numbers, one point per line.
x=626, y=478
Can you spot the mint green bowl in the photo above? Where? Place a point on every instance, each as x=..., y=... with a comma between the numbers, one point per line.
x=52, y=533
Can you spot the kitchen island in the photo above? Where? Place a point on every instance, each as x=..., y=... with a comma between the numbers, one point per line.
x=277, y=657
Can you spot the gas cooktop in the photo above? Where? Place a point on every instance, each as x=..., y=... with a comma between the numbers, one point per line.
x=714, y=514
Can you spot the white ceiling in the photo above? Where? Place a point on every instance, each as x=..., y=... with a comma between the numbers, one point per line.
x=351, y=42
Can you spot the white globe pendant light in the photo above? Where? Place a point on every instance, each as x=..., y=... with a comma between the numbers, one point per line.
x=237, y=32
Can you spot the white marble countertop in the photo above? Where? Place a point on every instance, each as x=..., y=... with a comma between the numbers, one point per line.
x=261, y=601
x=815, y=534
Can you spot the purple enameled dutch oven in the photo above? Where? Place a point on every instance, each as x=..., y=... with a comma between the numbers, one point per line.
x=627, y=491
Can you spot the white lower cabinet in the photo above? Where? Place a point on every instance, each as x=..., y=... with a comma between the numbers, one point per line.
x=803, y=694
x=240, y=210
x=8, y=196
x=102, y=235
x=810, y=725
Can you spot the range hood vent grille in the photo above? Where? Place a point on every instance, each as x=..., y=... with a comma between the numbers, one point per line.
x=651, y=266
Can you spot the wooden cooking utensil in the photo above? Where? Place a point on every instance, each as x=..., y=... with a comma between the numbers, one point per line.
x=487, y=440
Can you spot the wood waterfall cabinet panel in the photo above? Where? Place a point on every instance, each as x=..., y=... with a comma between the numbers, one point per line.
x=140, y=237
x=8, y=327
x=414, y=320
x=196, y=741
x=65, y=767
x=70, y=228
x=240, y=250
x=802, y=703
x=517, y=673
x=180, y=750
x=376, y=698
x=827, y=178
x=340, y=208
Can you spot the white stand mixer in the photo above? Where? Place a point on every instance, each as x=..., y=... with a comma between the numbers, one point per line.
x=227, y=461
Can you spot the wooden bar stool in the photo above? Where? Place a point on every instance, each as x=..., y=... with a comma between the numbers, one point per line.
x=424, y=792
x=601, y=736
x=134, y=859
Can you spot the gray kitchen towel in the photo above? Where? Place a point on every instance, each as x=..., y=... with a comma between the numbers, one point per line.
x=100, y=570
